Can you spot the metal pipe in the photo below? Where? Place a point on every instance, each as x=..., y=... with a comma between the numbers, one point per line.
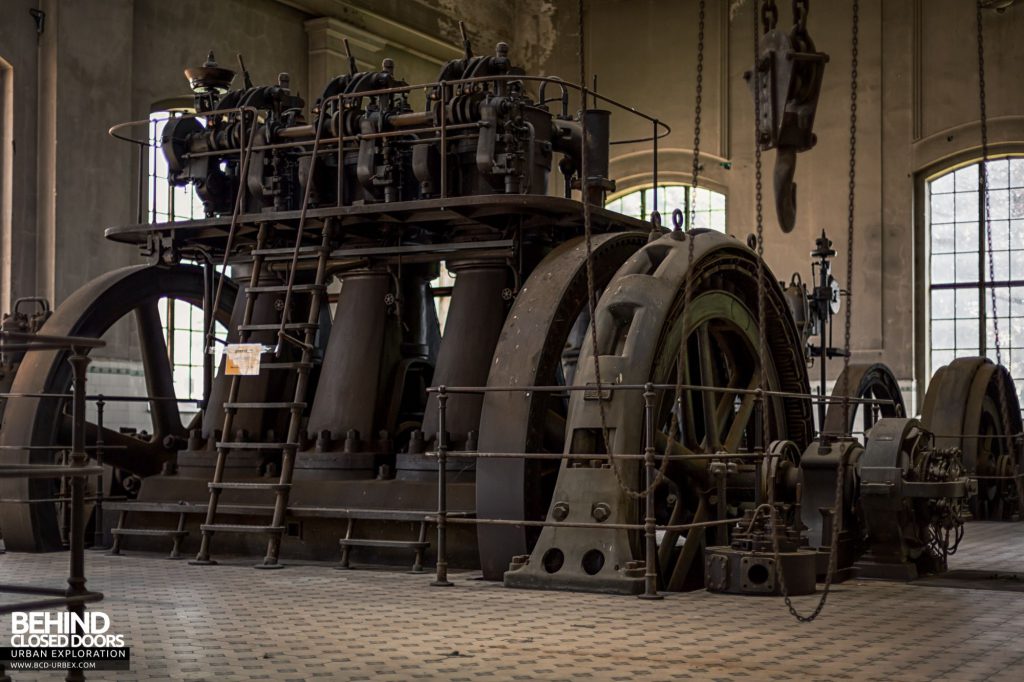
x=441, y=579
x=76, y=573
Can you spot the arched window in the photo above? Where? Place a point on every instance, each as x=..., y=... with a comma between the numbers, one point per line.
x=707, y=209
x=959, y=283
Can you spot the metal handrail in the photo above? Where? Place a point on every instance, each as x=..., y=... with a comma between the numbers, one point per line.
x=75, y=596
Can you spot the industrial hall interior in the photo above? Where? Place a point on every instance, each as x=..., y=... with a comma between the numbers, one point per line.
x=511, y=340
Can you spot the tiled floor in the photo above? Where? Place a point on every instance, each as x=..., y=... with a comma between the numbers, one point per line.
x=231, y=622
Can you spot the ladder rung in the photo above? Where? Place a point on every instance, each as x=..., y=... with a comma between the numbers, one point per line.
x=264, y=406
x=286, y=365
x=239, y=485
x=282, y=288
x=396, y=544
x=245, y=445
x=234, y=528
x=149, y=531
x=275, y=327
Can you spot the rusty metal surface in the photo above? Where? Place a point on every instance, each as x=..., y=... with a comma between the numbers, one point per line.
x=530, y=352
x=962, y=407
x=864, y=380
x=639, y=320
x=90, y=312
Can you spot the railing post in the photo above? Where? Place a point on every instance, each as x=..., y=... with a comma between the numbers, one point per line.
x=97, y=542
x=76, y=574
x=654, y=169
x=441, y=579
x=650, y=536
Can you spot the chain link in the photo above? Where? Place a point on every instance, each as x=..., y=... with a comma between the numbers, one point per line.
x=800, y=10
x=769, y=16
x=983, y=188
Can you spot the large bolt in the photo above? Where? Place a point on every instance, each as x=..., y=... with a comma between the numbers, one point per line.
x=560, y=511
x=600, y=512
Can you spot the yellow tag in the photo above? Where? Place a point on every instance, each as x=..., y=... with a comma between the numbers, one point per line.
x=243, y=359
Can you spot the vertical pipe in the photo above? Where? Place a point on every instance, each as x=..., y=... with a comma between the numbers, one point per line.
x=651, y=545
x=76, y=572
x=98, y=523
x=441, y=579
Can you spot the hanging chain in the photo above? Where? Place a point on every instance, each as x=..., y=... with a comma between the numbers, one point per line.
x=850, y=206
x=591, y=287
x=837, y=508
x=681, y=359
x=987, y=217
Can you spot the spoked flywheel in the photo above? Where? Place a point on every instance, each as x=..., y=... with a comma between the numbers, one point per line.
x=863, y=381
x=642, y=322
x=28, y=516
x=964, y=407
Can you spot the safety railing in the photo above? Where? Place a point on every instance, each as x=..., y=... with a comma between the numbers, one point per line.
x=75, y=596
x=98, y=449
x=650, y=457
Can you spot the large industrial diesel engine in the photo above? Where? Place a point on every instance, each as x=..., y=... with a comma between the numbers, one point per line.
x=325, y=230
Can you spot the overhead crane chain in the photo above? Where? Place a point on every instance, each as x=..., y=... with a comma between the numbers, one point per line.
x=591, y=289
x=688, y=282
x=800, y=13
x=983, y=186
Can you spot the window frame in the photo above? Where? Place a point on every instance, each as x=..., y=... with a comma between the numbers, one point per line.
x=922, y=296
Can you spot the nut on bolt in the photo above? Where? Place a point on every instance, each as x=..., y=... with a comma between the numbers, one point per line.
x=560, y=511
x=600, y=512
x=518, y=561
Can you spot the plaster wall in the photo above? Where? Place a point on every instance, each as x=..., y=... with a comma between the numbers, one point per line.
x=917, y=110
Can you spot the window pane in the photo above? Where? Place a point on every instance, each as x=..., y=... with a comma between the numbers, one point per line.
x=1017, y=202
x=943, y=334
x=1017, y=172
x=998, y=173
x=967, y=303
x=1016, y=228
x=966, y=179
x=943, y=269
x=967, y=236
x=999, y=204
x=966, y=267
x=941, y=357
x=942, y=208
x=1000, y=234
x=967, y=333
x=966, y=205
x=943, y=304
x=942, y=184
x=999, y=267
